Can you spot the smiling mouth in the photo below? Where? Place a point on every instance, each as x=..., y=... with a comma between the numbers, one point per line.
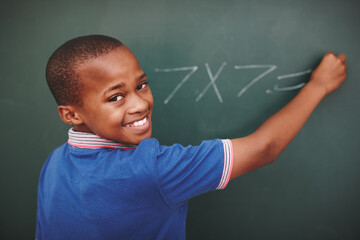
x=139, y=123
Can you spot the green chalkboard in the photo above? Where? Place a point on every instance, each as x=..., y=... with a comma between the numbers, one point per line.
x=217, y=69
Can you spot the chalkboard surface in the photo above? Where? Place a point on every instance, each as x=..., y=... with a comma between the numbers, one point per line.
x=217, y=69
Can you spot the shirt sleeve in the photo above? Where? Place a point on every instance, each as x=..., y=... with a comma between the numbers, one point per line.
x=185, y=172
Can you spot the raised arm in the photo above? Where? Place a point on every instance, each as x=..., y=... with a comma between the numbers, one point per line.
x=269, y=140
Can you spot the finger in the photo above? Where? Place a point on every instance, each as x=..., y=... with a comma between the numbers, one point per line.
x=330, y=53
x=345, y=65
x=342, y=57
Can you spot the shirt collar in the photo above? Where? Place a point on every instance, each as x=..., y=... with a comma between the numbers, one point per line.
x=90, y=140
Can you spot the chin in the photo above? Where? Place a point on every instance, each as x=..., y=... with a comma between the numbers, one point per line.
x=137, y=141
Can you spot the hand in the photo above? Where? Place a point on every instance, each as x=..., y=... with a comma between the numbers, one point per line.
x=330, y=73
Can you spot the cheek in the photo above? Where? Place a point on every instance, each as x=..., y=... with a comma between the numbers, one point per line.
x=115, y=114
x=109, y=116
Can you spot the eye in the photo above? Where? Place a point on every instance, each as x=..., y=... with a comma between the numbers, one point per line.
x=116, y=98
x=142, y=85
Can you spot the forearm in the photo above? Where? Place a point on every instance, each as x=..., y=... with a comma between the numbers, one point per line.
x=269, y=140
x=283, y=126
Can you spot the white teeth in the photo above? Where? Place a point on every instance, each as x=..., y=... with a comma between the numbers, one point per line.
x=139, y=123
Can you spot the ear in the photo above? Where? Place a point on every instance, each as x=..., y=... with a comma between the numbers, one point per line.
x=69, y=115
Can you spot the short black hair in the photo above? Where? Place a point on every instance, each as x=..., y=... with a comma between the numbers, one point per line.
x=61, y=75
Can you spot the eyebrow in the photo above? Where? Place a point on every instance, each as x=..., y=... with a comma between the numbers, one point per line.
x=117, y=86
x=122, y=85
x=142, y=77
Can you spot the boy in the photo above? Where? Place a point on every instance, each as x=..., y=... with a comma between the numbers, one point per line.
x=111, y=180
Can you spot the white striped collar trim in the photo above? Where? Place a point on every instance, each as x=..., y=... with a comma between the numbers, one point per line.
x=90, y=140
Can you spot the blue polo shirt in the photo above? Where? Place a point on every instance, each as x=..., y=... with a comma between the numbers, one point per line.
x=93, y=188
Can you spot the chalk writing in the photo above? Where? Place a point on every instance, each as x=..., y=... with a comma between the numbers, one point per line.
x=212, y=82
x=268, y=69
x=290, y=75
x=193, y=70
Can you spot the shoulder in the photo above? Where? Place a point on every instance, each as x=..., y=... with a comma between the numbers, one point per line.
x=151, y=149
x=210, y=148
x=154, y=144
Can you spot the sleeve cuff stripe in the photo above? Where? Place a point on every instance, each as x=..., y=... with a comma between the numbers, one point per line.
x=228, y=163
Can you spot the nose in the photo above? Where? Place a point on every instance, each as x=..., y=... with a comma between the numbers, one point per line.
x=137, y=104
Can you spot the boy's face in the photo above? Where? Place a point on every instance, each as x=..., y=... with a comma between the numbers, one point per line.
x=116, y=101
